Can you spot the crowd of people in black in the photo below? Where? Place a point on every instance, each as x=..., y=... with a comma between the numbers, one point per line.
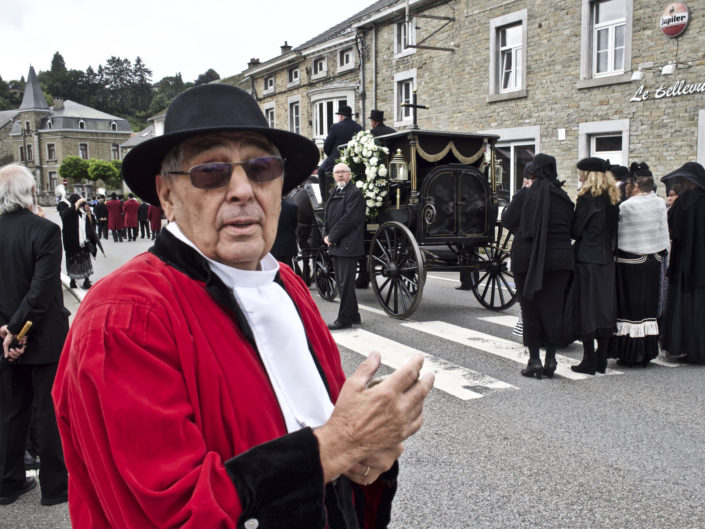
x=620, y=266
x=85, y=222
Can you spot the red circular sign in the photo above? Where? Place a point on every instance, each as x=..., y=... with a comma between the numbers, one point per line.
x=674, y=19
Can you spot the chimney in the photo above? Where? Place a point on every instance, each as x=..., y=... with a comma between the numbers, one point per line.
x=285, y=48
x=58, y=103
x=253, y=62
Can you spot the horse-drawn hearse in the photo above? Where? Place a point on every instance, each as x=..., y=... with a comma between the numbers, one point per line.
x=439, y=214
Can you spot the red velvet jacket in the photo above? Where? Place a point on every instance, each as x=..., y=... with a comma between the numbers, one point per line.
x=168, y=418
x=129, y=209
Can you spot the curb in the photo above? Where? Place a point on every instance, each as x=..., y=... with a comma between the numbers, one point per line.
x=77, y=293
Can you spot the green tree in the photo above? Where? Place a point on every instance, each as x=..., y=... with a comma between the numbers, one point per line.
x=116, y=182
x=102, y=170
x=208, y=77
x=74, y=168
x=6, y=102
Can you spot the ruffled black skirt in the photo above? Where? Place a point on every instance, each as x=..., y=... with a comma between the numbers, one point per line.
x=636, y=339
x=78, y=264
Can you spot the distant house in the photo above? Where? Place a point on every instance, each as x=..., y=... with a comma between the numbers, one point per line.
x=40, y=136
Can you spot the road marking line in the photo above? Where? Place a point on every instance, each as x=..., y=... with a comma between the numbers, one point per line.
x=497, y=346
x=506, y=321
x=664, y=363
x=451, y=378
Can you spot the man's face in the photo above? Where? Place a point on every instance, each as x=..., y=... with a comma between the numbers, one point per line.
x=236, y=224
x=341, y=174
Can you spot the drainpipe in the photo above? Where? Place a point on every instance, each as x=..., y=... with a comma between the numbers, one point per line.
x=374, y=66
x=360, y=50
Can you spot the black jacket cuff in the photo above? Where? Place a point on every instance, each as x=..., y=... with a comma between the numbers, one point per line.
x=280, y=483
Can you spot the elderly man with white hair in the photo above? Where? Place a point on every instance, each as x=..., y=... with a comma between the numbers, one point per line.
x=30, y=263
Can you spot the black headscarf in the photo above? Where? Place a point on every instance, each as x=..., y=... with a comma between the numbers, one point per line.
x=534, y=218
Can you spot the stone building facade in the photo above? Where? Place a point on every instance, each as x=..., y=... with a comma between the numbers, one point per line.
x=41, y=136
x=569, y=78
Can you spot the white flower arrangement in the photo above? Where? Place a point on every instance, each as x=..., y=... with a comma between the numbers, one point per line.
x=366, y=161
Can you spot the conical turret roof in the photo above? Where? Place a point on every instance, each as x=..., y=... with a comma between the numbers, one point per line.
x=33, y=98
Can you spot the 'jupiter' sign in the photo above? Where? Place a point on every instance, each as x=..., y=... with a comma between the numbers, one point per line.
x=674, y=19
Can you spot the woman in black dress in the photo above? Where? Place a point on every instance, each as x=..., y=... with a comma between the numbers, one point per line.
x=540, y=216
x=595, y=230
x=78, y=259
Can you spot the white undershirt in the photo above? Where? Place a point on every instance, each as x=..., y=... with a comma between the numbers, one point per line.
x=280, y=338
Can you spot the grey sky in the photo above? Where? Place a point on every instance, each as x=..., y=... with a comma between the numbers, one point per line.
x=170, y=36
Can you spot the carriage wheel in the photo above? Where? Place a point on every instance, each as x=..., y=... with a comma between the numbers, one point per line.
x=396, y=269
x=495, y=288
x=324, y=275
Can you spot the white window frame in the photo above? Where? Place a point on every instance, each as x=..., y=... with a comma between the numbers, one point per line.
x=268, y=84
x=588, y=130
x=495, y=85
x=701, y=137
x=49, y=156
x=50, y=124
x=269, y=110
x=611, y=27
x=322, y=97
x=88, y=153
x=346, y=59
x=324, y=68
x=293, y=118
x=113, y=125
x=402, y=49
x=53, y=180
x=587, y=78
x=293, y=76
x=401, y=118
x=81, y=124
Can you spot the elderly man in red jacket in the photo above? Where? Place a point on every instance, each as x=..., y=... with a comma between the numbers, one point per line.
x=199, y=386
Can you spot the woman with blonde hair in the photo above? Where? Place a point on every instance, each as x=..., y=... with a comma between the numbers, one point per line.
x=642, y=242
x=594, y=230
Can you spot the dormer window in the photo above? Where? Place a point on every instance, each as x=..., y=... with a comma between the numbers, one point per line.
x=294, y=75
x=81, y=124
x=50, y=124
x=269, y=84
x=113, y=125
x=319, y=66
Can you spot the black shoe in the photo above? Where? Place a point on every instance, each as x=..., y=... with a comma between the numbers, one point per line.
x=549, y=367
x=464, y=287
x=533, y=368
x=29, y=484
x=587, y=366
x=86, y=284
x=30, y=462
x=362, y=284
x=56, y=500
x=72, y=284
x=357, y=320
x=337, y=324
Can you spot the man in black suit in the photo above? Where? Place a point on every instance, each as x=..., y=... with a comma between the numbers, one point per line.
x=30, y=264
x=377, y=124
x=100, y=210
x=344, y=235
x=142, y=218
x=339, y=134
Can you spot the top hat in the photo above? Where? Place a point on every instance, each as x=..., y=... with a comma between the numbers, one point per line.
x=344, y=110
x=692, y=171
x=377, y=115
x=214, y=108
x=593, y=164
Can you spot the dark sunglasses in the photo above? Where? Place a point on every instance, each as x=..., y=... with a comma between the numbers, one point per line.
x=217, y=174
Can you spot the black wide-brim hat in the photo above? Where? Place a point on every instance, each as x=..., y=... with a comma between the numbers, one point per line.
x=593, y=164
x=692, y=171
x=214, y=108
x=619, y=172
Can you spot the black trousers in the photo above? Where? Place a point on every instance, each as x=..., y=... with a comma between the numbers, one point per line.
x=345, y=268
x=325, y=181
x=19, y=386
x=117, y=235
x=103, y=229
x=144, y=228
x=132, y=233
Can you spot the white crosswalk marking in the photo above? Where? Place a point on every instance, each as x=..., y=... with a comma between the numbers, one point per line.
x=497, y=346
x=456, y=380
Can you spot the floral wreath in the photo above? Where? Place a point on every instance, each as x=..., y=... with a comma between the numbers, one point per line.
x=364, y=156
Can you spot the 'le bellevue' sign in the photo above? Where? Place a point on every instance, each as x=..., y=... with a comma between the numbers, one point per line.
x=678, y=88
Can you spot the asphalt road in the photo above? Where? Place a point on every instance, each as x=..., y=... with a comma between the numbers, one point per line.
x=624, y=450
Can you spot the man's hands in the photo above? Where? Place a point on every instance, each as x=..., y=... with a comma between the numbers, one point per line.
x=368, y=425
x=7, y=337
x=327, y=241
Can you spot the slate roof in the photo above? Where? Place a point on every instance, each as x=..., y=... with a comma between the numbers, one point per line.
x=77, y=110
x=139, y=137
x=33, y=98
x=6, y=116
x=346, y=25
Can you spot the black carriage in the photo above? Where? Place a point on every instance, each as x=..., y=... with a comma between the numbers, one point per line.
x=440, y=214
